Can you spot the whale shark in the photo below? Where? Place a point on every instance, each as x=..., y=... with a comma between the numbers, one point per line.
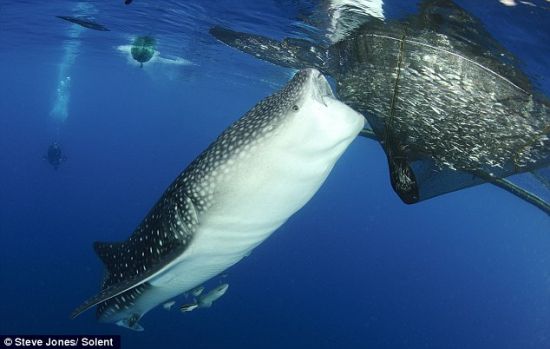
x=448, y=104
x=234, y=195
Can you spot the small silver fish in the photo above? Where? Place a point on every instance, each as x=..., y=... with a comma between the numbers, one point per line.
x=206, y=300
x=168, y=305
x=188, y=307
x=197, y=291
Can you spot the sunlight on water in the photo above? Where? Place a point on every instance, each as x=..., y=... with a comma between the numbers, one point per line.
x=347, y=15
x=59, y=112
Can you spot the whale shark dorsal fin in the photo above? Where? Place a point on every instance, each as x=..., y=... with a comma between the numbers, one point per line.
x=290, y=52
x=106, y=250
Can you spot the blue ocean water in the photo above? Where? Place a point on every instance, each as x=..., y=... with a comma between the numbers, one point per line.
x=354, y=268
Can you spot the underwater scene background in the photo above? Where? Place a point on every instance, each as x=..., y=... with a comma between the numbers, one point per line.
x=354, y=268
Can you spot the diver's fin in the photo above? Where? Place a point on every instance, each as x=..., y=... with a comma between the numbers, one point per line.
x=116, y=284
x=290, y=53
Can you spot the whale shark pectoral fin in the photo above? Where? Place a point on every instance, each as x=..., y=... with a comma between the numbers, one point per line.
x=112, y=286
x=114, y=290
x=105, y=294
x=290, y=53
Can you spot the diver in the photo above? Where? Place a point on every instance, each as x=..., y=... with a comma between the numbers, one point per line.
x=54, y=155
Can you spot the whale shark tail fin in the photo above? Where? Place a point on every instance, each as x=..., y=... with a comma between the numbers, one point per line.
x=290, y=52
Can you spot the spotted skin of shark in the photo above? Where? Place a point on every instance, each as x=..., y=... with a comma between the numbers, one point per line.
x=245, y=185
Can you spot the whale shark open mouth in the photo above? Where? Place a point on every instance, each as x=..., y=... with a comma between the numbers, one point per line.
x=322, y=90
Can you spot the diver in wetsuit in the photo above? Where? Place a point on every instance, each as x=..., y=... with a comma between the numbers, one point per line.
x=54, y=155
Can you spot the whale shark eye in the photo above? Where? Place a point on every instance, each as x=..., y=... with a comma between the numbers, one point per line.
x=295, y=107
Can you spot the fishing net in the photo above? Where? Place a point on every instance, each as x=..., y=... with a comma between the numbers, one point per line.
x=445, y=120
